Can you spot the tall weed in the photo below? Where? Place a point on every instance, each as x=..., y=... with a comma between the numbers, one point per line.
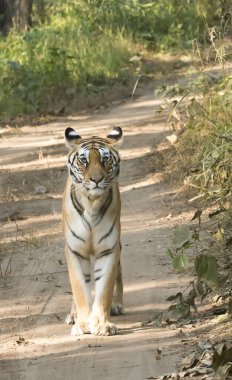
x=205, y=146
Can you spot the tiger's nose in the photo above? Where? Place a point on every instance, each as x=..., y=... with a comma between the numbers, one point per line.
x=96, y=178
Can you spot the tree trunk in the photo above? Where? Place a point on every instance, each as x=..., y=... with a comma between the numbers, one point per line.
x=23, y=18
x=40, y=7
x=15, y=13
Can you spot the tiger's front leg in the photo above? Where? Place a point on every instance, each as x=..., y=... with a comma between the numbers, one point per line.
x=79, y=274
x=105, y=273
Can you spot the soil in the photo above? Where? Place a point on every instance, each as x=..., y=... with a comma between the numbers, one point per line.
x=35, y=289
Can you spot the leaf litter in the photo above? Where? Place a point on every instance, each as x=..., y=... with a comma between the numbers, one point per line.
x=211, y=361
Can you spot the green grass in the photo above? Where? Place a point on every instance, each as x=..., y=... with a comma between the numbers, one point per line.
x=85, y=46
x=206, y=145
x=42, y=67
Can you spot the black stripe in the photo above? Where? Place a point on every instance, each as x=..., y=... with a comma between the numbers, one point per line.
x=77, y=253
x=86, y=222
x=74, y=156
x=115, y=155
x=116, y=158
x=98, y=278
x=73, y=233
x=87, y=278
x=78, y=207
x=71, y=173
x=105, y=206
x=109, y=232
x=75, y=202
x=85, y=145
x=101, y=140
x=97, y=270
x=89, y=143
x=71, y=165
x=69, y=160
x=74, y=176
x=106, y=252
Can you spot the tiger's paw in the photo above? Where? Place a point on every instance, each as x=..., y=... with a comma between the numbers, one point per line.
x=103, y=328
x=117, y=309
x=79, y=329
x=70, y=319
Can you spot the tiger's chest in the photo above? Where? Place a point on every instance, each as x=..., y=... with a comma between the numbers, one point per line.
x=91, y=233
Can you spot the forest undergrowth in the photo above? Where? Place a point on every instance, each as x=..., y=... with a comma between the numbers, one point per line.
x=201, y=120
x=80, y=50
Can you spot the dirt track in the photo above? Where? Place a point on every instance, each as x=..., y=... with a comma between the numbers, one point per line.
x=35, y=290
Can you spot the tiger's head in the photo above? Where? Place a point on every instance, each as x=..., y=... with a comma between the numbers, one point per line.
x=93, y=162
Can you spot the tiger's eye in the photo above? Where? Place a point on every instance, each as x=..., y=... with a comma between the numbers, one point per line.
x=105, y=159
x=83, y=160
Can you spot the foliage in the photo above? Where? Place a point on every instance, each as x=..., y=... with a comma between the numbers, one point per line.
x=58, y=61
x=207, y=268
x=41, y=67
x=201, y=115
x=181, y=241
x=181, y=309
x=210, y=259
x=160, y=24
x=84, y=47
x=185, y=242
x=209, y=136
x=201, y=112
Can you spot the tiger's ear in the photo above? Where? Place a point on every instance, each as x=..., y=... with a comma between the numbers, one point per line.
x=116, y=137
x=71, y=138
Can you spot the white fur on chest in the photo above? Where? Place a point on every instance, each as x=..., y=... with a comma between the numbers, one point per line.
x=90, y=232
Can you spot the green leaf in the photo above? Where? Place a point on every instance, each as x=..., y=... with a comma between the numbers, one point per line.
x=207, y=268
x=180, y=263
x=181, y=236
x=175, y=297
x=187, y=245
x=169, y=253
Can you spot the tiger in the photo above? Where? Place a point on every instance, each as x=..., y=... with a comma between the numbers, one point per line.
x=91, y=221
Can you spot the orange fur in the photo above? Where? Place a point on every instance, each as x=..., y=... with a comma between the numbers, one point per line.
x=91, y=218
